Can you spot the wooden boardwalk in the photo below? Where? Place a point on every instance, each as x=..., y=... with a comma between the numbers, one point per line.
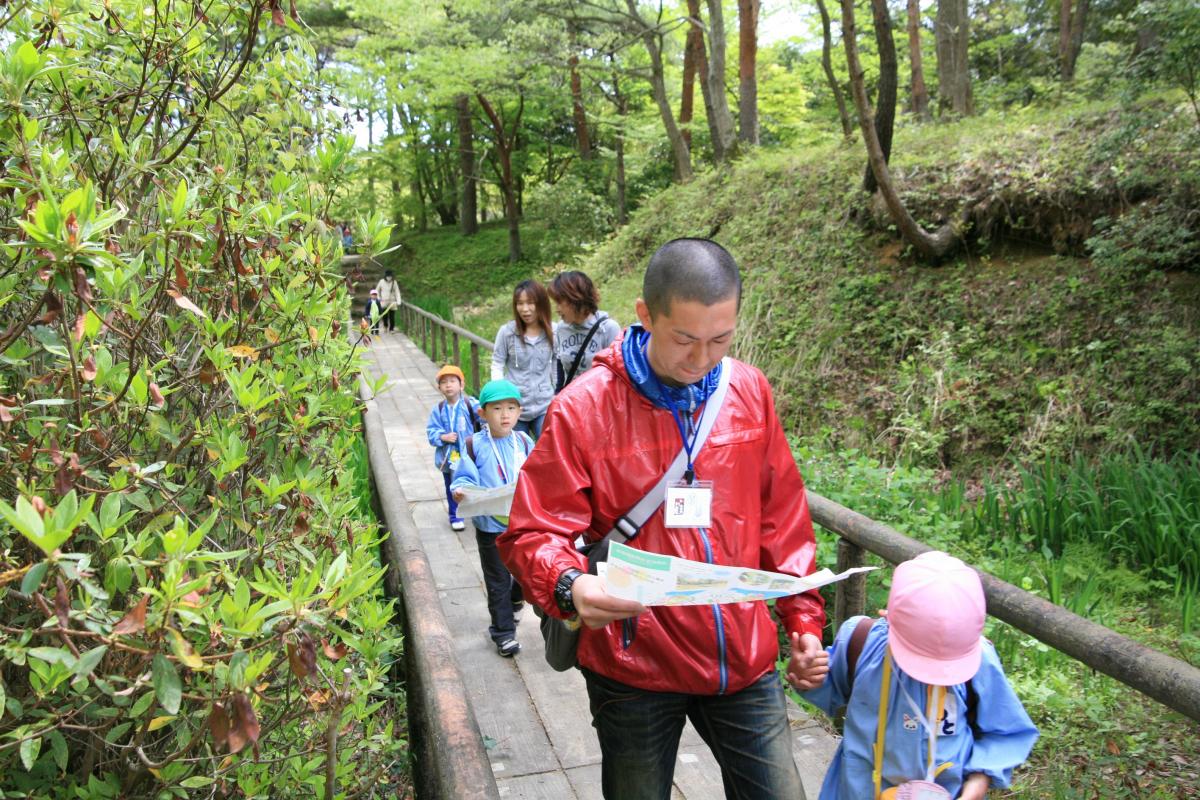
x=535, y=722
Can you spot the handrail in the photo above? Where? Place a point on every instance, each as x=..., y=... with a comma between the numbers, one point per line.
x=1170, y=681
x=412, y=317
x=452, y=761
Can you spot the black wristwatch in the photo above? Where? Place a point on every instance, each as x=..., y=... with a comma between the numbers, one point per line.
x=562, y=590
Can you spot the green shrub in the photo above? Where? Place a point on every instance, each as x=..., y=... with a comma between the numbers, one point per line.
x=188, y=589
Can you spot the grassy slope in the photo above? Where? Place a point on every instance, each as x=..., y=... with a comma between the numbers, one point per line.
x=1017, y=349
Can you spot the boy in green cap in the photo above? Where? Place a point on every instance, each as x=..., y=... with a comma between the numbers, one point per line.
x=492, y=458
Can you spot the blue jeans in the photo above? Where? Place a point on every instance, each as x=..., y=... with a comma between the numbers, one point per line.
x=748, y=733
x=450, y=501
x=531, y=426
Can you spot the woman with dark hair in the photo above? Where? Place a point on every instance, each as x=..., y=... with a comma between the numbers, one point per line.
x=584, y=330
x=389, y=296
x=524, y=354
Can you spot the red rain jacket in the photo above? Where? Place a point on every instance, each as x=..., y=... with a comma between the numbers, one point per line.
x=603, y=447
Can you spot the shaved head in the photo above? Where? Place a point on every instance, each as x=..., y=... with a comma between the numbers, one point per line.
x=698, y=270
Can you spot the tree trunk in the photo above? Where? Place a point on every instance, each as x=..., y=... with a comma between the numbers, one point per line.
x=370, y=147
x=885, y=112
x=581, y=127
x=1064, y=40
x=932, y=247
x=954, y=76
x=919, y=94
x=658, y=86
x=395, y=175
x=622, y=112
x=693, y=55
x=725, y=145
x=504, y=147
x=1078, y=21
x=468, y=216
x=747, y=78
x=827, y=65
x=710, y=115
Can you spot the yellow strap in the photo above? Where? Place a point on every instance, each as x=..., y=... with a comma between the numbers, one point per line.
x=885, y=686
x=935, y=699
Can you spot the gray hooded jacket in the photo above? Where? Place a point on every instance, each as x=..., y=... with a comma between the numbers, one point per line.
x=530, y=365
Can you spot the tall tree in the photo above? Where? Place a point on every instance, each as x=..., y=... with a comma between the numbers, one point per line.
x=885, y=111
x=827, y=66
x=504, y=137
x=693, y=61
x=747, y=78
x=706, y=89
x=652, y=38
x=468, y=217
x=578, y=114
x=919, y=95
x=953, y=32
x=724, y=142
x=932, y=247
x=1072, y=17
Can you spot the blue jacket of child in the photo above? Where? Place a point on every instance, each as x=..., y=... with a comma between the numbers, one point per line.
x=497, y=462
x=457, y=418
x=1002, y=738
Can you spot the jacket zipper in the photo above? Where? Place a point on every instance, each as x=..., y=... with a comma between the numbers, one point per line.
x=722, y=666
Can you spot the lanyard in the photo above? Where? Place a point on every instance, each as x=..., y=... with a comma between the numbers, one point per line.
x=453, y=411
x=936, y=703
x=500, y=461
x=689, y=446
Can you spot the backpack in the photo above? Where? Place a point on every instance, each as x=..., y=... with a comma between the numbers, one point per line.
x=854, y=649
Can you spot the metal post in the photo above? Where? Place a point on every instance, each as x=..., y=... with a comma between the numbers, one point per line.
x=850, y=595
x=475, y=369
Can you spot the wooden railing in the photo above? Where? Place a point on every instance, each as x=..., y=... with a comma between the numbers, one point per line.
x=1170, y=681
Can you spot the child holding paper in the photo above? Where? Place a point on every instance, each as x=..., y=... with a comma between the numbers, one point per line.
x=493, y=457
x=929, y=713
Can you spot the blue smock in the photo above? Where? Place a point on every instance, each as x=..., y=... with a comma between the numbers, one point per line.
x=1001, y=740
x=459, y=418
x=486, y=472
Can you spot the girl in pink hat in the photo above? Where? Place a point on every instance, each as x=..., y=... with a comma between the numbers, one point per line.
x=929, y=713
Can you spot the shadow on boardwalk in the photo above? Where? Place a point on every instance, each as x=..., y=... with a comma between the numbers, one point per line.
x=535, y=722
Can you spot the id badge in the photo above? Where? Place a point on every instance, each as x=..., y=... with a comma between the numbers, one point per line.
x=688, y=505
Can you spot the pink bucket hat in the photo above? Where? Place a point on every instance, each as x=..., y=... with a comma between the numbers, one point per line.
x=935, y=616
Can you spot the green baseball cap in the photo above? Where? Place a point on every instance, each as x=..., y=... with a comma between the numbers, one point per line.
x=494, y=391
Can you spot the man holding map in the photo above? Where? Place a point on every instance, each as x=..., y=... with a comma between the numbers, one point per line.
x=609, y=440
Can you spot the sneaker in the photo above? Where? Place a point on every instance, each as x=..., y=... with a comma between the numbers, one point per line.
x=457, y=525
x=508, y=648
x=518, y=607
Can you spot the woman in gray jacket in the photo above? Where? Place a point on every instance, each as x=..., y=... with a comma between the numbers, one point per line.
x=524, y=354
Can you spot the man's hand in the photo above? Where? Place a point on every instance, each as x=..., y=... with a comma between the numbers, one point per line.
x=449, y=438
x=809, y=663
x=975, y=787
x=596, y=607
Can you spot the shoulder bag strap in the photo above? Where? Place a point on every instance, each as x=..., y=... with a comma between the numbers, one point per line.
x=854, y=648
x=570, y=376
x=628, y=526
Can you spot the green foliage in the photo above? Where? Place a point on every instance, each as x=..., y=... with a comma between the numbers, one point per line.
x=591, y=218
x=189, y=589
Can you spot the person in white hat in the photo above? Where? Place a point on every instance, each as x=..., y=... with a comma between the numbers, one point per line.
x=929, y=713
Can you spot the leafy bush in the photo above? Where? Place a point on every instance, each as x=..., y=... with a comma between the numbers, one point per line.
x=583, y=217
x=185, y=575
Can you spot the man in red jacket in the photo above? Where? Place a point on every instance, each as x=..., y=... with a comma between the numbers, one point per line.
x=608, y=438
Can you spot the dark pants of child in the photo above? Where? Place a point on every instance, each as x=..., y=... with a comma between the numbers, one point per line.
x=447, y=477
x=502, y=591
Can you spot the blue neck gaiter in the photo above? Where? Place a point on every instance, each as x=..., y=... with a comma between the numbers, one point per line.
x=637, y=367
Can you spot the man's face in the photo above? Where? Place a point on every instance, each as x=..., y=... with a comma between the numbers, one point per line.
x=688, y=340
x=450, y=387
x=501, y=416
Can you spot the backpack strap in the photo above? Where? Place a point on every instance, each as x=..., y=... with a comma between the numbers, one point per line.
x=471, y=446
x=854, y=649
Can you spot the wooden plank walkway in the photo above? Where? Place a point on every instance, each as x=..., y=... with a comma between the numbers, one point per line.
x=535, y=721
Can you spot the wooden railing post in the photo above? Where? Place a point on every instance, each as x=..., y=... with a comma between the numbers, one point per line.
x=850, y=595
x=455, y=356
x=475, y=383
x=425, y=335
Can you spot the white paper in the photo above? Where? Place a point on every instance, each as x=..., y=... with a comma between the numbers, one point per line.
x=657, y=580
x=494, y=502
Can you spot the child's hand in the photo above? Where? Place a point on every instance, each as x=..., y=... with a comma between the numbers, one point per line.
x=459, y=494
x=975, y=787
x=809, y=663
x=449, y=438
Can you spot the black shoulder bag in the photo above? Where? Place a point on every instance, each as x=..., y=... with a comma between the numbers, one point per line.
x=564, y=379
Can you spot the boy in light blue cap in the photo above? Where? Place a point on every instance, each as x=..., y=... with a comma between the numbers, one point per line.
x=491, y=458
